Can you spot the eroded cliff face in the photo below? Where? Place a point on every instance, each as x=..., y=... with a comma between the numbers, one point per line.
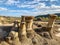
x=26, y=35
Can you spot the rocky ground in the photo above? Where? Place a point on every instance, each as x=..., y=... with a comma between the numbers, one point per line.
x=37, y=39
x=30, y=33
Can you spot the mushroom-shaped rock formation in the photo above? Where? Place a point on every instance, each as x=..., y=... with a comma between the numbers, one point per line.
x=26, y=35
x=22, y=30
x=23, y=34
x=36, y=39
x=29, y=26
x=50, y=24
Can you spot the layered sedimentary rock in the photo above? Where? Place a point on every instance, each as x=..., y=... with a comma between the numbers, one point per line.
x=23, y=34
x=22, y=30
x=29, y=26
x=14, y=38
x=26, y=35
x=50, y=24
x=4, y=43
x=47, y=32
x=36, y=39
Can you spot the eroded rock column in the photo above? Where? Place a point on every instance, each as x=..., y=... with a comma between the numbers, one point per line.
x=15, y=25
x=29, y=26
x=51, y=22
x=22, y=30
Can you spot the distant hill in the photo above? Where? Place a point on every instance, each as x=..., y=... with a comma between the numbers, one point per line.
x=47, y=15
x=9, y=19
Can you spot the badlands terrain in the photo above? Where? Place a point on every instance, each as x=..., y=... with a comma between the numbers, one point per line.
x=29, y=32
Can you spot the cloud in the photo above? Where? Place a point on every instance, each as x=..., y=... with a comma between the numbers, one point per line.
x=12, y=2
x=3, y=9
x=39, y=5
x=53, y=0
x=34, y=13
x=1, y=1
x=36, y=7
x=43, y=7
x=32, y=2
x=13, y=11
x=55, y=6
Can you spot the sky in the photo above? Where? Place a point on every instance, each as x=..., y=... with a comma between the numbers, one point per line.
x=29, y=7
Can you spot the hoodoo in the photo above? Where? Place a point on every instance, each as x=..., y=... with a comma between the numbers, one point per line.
x=29, y=26
x=25, y=34
x=36, y=39
x=50, y=24
x=22, y=30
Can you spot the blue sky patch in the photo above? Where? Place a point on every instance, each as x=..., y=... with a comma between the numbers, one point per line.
x=29, y=7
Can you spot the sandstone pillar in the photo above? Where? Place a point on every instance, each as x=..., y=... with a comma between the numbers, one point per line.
x=15, y=25
x=22, y=30
x=29, y=25
x=51, y=22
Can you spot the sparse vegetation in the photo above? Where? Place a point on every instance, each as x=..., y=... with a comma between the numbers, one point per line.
x=7, y=19
x=25, y=34
x=45, y=17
